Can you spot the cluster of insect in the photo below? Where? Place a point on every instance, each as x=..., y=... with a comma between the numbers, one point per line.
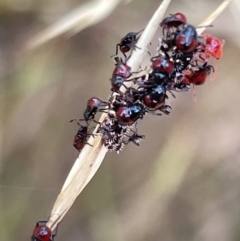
x=182, y=60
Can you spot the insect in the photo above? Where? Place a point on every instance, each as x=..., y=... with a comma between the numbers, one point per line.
x=155, y=98
x=93, y=105
x=112, y=132
x=42, y=233
x=116, y=145
x=153, y=80
x=120, y=74
x=131, y=95
x=129, y=114
x=113, y=141
x=166, y=44
x=187, y=39
x=199, y=76
x=127, y=43
x=181, y=87
x=162, y=64
x=80, y=139
x=214, y=46
x=121, y=69
x=135, y=139
x=174, y=20
x=181, y=60
x=157, y=78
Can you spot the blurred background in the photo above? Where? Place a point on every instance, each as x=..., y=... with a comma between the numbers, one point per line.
x=181, y=184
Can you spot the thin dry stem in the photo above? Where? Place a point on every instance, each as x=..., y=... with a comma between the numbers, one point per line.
x=82, y=17
x=91, y=158
x=212, y=16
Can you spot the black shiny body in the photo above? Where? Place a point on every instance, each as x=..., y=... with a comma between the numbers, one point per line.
x=129, y=114
x=80, y=138
x=127, y=43
x=155, y=97
x=187, y=39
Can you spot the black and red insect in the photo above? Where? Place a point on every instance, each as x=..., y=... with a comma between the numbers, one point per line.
x=93, y=105
x=198, y=77
x=127, y=43
x=153, y=79
x=129, y=114
x=42, y=232
x=120, y=74
x=162, y=64
x=154, y=99
x=187, y=39
x=174, y=20
x=213, y=46
x=80, y=139
x=92, y=108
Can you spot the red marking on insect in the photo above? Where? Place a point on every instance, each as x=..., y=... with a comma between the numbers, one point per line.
x=128, y=42
x=80, y=139
x=92, y=108
x=155, y=97
x=187, y=39
x=120, y=74
x=42, y=233
x=174, y=20
x=121, y=69
x=162, y=64
x=93, y=105
x=199, y=76
x=129, y=114
x=214, y=46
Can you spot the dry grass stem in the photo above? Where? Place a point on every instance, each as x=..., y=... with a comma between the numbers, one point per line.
x=84, y=16
x=91, y=158
x=213, y=16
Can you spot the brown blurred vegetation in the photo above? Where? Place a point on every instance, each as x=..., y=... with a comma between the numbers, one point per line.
x=181, y=184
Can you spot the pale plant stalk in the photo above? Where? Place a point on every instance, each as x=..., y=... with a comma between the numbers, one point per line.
x=82, y=17
x=91, y=158
x=213, y=16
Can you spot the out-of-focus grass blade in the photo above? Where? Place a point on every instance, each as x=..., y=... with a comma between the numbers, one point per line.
x=84, y=16
x=235, y=11
x=91, y=158
x=212, y=16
